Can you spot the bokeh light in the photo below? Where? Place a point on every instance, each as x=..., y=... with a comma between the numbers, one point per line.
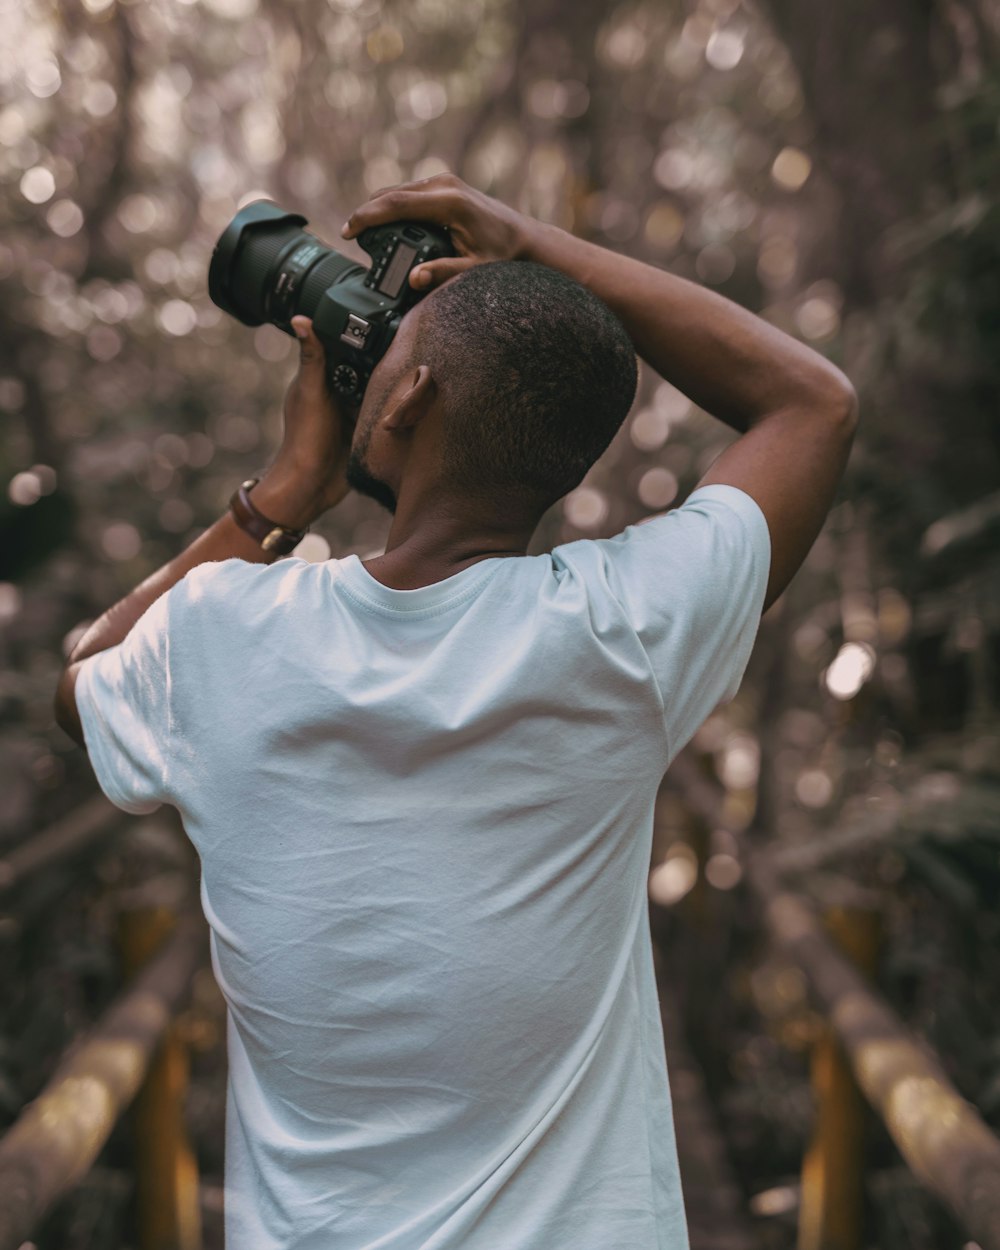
x=657, y=487
x=675, y=877
x=586, y=508
x=723, y=872
x=853, y=665
x=724, y=49
x=791, y=169
x=38, y=184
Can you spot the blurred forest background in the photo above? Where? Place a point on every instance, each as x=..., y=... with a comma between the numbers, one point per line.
x=830, y=166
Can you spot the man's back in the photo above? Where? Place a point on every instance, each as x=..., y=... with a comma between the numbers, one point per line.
x=424, y=819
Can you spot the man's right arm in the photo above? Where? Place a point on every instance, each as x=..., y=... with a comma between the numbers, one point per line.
x=797, y=412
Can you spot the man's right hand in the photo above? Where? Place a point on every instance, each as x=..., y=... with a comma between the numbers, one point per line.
x=481, y=228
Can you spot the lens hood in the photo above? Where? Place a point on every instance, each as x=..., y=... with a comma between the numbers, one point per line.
x=223, y=264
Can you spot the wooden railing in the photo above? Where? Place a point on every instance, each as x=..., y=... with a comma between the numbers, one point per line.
x=867, y=1049
x=133, y=1054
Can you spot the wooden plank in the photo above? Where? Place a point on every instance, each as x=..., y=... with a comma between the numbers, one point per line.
x=57, y=1137
x=167, y=1198
x=939, y=1133
x=830, y=1214
x=73, y=834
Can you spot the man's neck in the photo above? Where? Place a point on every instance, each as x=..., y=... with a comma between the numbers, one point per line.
x=391, y=572
x=442, y=544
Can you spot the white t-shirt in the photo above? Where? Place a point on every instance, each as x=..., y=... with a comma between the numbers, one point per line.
x=424, y=819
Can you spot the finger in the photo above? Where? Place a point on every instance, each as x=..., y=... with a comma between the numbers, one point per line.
x=446, y=178
x=385, y=190
x=440, y=205
x=433, y=272
x=311, y=349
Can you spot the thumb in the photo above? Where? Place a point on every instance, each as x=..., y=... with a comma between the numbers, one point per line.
x=431, y=274
x=311, y=349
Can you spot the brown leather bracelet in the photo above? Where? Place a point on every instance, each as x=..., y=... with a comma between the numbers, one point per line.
x=272, y=537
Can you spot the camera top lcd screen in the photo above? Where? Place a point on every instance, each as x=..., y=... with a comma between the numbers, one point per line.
x=399, y=267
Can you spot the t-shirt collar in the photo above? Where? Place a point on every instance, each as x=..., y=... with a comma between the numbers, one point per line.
x=360, y=585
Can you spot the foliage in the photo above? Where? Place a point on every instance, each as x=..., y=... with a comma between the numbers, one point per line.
x=713, y=139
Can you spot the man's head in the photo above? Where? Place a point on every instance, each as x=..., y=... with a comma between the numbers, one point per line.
x=503, y=385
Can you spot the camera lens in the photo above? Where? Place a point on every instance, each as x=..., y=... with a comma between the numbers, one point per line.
x=265, y=267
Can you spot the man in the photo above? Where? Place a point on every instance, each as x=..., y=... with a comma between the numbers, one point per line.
x=422, y=785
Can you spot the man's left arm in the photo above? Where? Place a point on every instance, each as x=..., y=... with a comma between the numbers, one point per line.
x=306, y=479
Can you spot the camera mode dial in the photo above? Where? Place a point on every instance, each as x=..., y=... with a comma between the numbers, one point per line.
x=344, y=379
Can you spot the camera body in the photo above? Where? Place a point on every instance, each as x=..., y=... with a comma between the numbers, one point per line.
x=266, y=268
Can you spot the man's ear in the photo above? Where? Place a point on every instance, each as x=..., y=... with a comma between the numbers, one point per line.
x=413, y=401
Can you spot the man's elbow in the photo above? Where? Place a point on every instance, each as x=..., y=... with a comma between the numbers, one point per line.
x=65, y=723
x=848, y=406
x=66, y=714
x=840, y=399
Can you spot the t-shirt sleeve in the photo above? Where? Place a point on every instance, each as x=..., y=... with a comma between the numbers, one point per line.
x=123, y=700
x=692, y=585
x=126, y=695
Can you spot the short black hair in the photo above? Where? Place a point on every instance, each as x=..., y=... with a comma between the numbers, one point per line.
x=536, y=375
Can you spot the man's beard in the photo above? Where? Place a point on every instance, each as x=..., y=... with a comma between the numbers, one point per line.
x=362, y=481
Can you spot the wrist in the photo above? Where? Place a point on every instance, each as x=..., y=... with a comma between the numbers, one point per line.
x=533, y=241
x=551, y=245
x=291, y=500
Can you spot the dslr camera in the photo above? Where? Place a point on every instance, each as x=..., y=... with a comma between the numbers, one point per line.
x=265, y=267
